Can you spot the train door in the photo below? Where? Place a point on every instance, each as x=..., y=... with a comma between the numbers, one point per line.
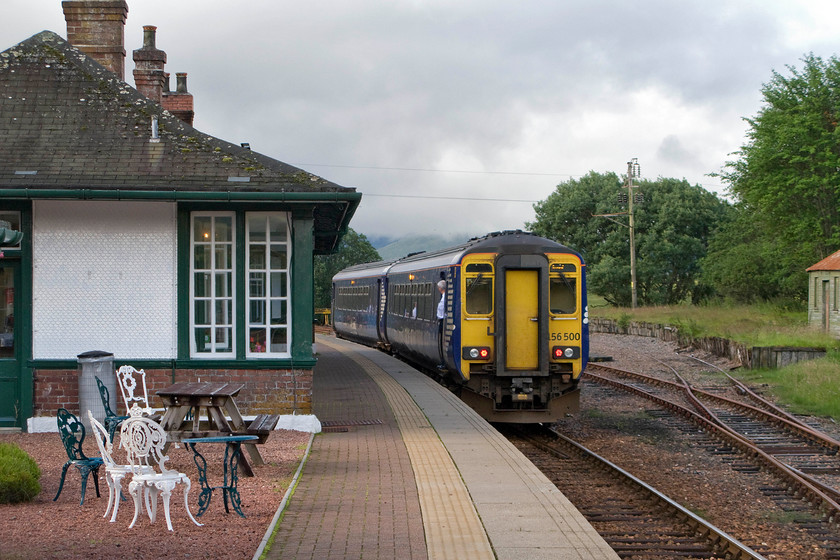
x=522, y=315
x=380, y=307
x=522, y=319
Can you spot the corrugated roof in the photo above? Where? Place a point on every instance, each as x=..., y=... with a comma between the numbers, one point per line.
x=68, y=123
x=831, y=262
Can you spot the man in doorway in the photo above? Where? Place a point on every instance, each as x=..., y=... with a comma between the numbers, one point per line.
x=441, y=315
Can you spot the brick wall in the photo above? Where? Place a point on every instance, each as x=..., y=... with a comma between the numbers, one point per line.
x=98, y=28
x=265, y=391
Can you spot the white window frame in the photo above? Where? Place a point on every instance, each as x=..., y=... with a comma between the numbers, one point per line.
x=271, y=293
x=212, y=298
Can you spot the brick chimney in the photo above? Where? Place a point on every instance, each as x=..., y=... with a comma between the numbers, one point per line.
x=179, y=102
x=149, y=77
x=97, y=27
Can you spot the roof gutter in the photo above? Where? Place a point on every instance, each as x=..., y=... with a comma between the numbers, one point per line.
x=170, y=195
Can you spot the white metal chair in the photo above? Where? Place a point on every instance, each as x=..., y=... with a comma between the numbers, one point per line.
x=114, y=472
x=143, y=440
x=127, y=380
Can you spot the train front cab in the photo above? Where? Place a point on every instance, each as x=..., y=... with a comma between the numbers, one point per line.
x=524, y=339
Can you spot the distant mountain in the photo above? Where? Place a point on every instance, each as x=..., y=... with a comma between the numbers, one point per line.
x=414, y=244
x=379, y=241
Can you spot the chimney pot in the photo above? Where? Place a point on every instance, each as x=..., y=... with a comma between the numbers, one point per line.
x=180, y=102
x=181, y=81
x=148, y=66
x=149, y=37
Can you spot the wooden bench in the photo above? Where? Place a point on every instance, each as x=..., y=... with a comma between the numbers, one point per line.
x=262, y=426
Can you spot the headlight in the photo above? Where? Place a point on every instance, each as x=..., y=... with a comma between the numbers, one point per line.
x=475, y=353
x=565, y=352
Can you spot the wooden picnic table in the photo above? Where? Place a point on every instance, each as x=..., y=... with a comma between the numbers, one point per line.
x=187, y=403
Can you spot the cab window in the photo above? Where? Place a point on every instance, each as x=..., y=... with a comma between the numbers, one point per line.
x=478, y=298
x=562, y=294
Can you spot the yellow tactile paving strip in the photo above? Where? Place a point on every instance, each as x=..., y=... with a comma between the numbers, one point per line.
x=450, y=521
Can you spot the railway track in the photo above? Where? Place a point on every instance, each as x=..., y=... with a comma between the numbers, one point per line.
x=635, y=519
x=805, y=461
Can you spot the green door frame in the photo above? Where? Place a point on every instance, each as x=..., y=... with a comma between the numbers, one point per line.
x=17, y=372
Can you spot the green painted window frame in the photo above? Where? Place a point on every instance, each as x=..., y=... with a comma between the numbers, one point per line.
x=213, y=299
x=269, y=296
x=300, y=288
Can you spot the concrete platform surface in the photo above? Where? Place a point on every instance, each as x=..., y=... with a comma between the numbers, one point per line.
x=405, y=470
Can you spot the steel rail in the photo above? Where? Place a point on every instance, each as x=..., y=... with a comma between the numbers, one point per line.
x=753, y=395
x=798, y=486
x=784, y=422
x=721, y=542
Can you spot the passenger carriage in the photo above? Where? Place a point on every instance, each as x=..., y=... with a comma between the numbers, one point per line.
x=515, y=338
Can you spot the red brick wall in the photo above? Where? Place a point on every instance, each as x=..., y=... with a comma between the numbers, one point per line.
x=265, y=391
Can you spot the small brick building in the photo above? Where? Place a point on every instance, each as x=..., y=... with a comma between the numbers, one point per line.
x=824, y=294
x=176, y=251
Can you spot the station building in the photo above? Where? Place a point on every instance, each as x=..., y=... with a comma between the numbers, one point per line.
x=176, y=251
x=824, y=294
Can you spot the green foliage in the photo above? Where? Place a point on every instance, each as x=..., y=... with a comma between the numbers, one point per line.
x=19, y=475
x=624, y=321
x=811, y=387
x=763, y=324
x=354, y=248
x=787, y=181
x=807, y=387
x=673, y=226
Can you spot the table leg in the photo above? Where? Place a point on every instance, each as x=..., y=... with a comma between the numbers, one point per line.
x=206, y=490
x=174, y=417
x=239, y=425
x=218, y=419
x=233, y=454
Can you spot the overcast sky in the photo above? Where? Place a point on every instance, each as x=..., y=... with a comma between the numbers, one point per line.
x=456, y=116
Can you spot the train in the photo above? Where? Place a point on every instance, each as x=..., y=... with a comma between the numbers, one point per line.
x=513, y=339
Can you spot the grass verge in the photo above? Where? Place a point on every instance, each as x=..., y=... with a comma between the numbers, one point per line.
x=807, y=388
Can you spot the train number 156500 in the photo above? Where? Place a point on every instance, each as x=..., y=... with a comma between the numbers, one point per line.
x=565, y=336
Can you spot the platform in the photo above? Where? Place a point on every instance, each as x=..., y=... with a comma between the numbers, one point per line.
x=405, y=470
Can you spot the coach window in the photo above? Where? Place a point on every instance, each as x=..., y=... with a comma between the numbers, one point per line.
x=562, y=294
x=478, y=282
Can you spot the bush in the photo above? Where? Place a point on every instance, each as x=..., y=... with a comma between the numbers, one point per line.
x=19, y=474
x=623, y=322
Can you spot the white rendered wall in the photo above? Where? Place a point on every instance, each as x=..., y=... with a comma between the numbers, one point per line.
x=104, y=278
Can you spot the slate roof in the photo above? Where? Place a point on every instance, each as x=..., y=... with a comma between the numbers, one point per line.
x=68, y=124
x=831, y=262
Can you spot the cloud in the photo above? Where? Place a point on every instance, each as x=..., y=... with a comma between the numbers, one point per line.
x=505, y=100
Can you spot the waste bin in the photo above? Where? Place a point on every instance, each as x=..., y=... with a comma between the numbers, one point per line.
x=93, y=364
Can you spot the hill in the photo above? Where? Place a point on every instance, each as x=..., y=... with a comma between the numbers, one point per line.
x=414, y=244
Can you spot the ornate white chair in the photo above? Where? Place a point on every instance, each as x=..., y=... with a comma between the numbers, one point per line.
x=127, y=380
x=114, y=472
x=143, y=440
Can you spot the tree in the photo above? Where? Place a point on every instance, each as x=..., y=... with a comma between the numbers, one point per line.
x=743, y=262
x=354, y=248
x=787, y=177
x=673, y=228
